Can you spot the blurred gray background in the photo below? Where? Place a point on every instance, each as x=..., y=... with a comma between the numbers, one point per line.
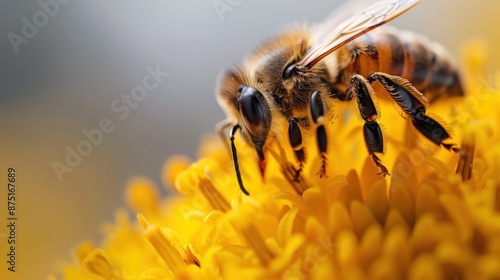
x=88, y=54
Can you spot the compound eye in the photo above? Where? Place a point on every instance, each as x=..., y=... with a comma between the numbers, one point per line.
x=255, y=113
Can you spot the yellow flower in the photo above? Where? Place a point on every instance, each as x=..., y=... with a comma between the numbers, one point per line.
x=436, y=217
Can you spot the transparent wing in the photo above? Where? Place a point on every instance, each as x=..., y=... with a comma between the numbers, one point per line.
x=354, y=22
x=348, y=10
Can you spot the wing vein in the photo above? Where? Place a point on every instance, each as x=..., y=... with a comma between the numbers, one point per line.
x=358, y=23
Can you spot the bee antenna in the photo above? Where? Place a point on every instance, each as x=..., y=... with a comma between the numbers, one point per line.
x=293, y=70
x=290, y=71
x=234, y=155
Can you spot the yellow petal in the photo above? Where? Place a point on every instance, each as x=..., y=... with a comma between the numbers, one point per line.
x=347, y=248
x=294, y=248
x=154, y=273
x=384, y=268
x=361, y=217
x=370, y=176
x=192, y=272
x=458, y=214
x=371, y=245
x=427, y=202
x=396, y=246
x=400, y=200
x=315, y=229
x=453, y=257
x=323, y=270
x=172, y=168
x=142, y=195
x=425, y=267
x=488, y=266
x=339, y=219
x=394, y=220
x=285, y=226
x=424, y=237
x=405, y=173
x=231, y=266
x=315, y=202
x=377, y=202
x=351, y=191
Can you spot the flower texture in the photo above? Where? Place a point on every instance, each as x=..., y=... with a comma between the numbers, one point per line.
x=437, y=216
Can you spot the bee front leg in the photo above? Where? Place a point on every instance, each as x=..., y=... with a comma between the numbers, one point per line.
x=360, y=88
x=412, y=102
x=234, y=155
x=295, y=138
x=221, y=128
x=318, y=115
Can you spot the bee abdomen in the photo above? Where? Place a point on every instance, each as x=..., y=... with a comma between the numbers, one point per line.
x=425, y=64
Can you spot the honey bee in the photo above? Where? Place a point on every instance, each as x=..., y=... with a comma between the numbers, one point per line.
x=294, y=77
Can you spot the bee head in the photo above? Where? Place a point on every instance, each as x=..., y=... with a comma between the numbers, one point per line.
x=247, y=110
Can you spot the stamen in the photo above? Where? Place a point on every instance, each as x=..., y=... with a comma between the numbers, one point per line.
x=297, y=182
x=97, y=262
x=174, y=166
x=167, y=251
x=251, y=235
x=466, y=155
x=213, y=196
x=142, y=195
x=256, y=241
x=289, y=172
x=190, y=256
x=83, y=250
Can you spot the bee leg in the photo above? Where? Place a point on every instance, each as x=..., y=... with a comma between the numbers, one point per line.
x=221, y=127
x=232, y=132
x=318, y=116
x=413, y=103
x=375, y=144
x=295, y=138
x=360, y=88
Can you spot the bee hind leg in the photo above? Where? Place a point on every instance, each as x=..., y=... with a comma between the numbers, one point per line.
x=360, y=89
x=318, y=115
x=412, y=102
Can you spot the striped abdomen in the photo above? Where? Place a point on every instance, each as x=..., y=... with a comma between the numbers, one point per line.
x=426, y=65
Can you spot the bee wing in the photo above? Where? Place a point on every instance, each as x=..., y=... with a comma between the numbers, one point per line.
x=350, y=23
x=348, y=10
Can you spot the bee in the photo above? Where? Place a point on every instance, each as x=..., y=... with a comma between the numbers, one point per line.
x=291, y=80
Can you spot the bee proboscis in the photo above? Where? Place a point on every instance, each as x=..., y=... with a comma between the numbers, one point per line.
x=296, y=74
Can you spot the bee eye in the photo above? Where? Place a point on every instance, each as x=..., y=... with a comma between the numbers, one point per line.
x=255, y=113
